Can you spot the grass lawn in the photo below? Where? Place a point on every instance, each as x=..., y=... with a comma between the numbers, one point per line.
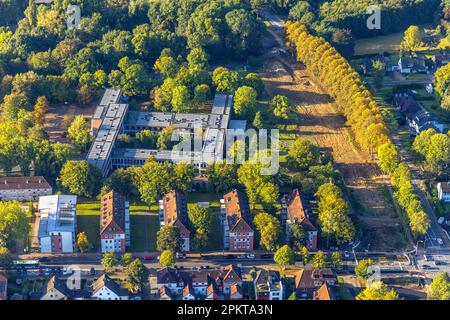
x=144, y=224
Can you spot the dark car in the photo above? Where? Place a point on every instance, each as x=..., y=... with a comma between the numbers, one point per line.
x=266, y=256
x=43, y=259
x=230, y=257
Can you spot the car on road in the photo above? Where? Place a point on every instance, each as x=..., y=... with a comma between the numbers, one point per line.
x=250, y=256
x=441, y=220
x=266, y=256
x=439, y=240
x=43, y=259
x=241, y=256
x=230, y=257
x=182, y=255
x=149, y=258
x=346, y=254
x=92, y=271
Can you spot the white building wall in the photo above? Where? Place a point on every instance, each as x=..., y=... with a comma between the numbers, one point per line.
x=114, y=244
x=106, y=294
x=46, y=246
x=24, y=194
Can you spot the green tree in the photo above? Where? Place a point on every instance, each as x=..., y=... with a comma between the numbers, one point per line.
x=78, y=132
x=5, y=257
x=245, y=101
x=14, y=224
x=336, y=259
x=320, y=260
x=81, y=178
x=306, y=256
x=199, y=217
x=377, y=291
x=388, y=157
x=254, y=80
x=284, y=256
x=259, y=187
x=258, y=121
x=297, y=235
x=281, y=106
x=136, y=276
x=109, y=261
x=412, y=39
x=40, y=108
x=225, y=79
x=439, y=288
x=181, y=99
x=380, y=71
x=222, y=177
x=167, y=258
x=126, y=259
x=167, y=66
x=362, y=270
x=303, y=153
x=168, y=238
x=83, y=243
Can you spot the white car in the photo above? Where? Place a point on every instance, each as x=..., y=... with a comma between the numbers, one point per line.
x=439, y=240
x=250, y=256
x=346, y=254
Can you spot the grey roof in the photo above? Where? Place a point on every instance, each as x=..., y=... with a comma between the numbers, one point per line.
x=103, y=143
x=57, y=214
x=149, y=119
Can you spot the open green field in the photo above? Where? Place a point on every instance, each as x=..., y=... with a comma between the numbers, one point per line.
x=144, y=224
x=389, y=43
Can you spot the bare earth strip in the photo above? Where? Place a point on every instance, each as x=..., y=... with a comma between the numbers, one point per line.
x=380, y=225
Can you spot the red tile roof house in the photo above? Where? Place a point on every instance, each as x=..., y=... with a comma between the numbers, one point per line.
x=24, y=188
x=236, y=215
x=308, y=283
x=114, y=223
x=3, y=287
x=210, y=284
x=173, y=212
x=296, y=212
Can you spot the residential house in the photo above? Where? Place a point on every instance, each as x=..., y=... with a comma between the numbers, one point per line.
x=188, y=292
x=56, y=289
x=173, y=212
x=297, y=213
x=235, y=211
x=114, y=223
x=308, y=282
x=165, y=293
x=325, y=292
x=444, y=191
x=57, y=223
x=423, y=120
x=418, y=119
x=3, y=287
x=105, y=288
x=407, y=65
x=268, y=285
x=23, y=188
x=213, y=292
x=224, y=283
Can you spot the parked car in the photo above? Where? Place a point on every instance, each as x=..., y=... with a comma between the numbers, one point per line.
x=346, y=254
x=43, y=259
x=230, y=256
x=266, y=256
x=441, y=220
x=181, y=255
x=92, y=271
x=241, y=256
x=250, y=256
x=149, y=258
x=439, y=240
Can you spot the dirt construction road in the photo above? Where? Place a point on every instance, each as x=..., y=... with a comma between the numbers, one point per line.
x=320, y=120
